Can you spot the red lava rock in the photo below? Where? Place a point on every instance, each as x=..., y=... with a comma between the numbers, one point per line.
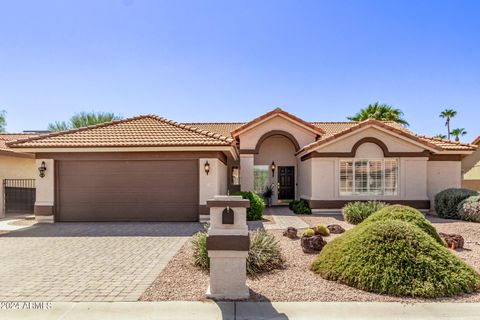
x=335, y=228
x=290, y=233
x=454, y=241
x=312, y=244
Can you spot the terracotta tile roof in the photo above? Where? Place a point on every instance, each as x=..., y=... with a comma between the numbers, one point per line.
x=223, y=128
x=476, y=141
x=8, y=137
x=448, y=145
x=277, y=111
x=141, y=131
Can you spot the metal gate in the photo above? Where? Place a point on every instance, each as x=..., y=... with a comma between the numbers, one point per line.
x=19, y=195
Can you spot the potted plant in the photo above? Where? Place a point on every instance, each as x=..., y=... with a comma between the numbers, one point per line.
x=267, y=195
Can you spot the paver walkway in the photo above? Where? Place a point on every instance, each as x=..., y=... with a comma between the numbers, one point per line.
x=282, y=217
x=87, y=261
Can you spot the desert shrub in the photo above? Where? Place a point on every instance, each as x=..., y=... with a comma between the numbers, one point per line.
x=322, y=230
x=309, y=232
x=264, y=254
x=199, y=250
x=356, y=212
x=469, y=209
x=300, y=207
x=395, y=257
x=257, y=205
x=407, y=214
x=447, y=201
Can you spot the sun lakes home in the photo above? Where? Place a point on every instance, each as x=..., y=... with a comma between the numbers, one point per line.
x=148, y=168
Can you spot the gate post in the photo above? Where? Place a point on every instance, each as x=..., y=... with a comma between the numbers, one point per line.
x=227, y=244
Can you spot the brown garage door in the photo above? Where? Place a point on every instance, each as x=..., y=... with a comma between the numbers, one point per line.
x=164, y=190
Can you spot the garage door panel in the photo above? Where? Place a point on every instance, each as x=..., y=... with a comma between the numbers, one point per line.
x=164, y=190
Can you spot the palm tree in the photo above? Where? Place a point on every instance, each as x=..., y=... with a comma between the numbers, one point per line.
x=382, y=112
x=3, y=121
x=448, y=114
x=83, y=119
x=440, y=136
x=458, y=132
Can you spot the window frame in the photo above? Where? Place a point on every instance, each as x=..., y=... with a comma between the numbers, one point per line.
x=354, y=191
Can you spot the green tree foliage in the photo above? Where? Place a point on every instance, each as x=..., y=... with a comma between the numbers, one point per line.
x=448, y=114
x=381, y=112
x=83, y=119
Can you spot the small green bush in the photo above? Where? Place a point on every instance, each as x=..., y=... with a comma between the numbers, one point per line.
x=469, y=209
x=300, y=207
x=395, y=257
x=199, y=250
x=322, y=230
x=264, y=255
x=309, y=232
x=407, y=214
x=447, y=201
x=257, y=205
x=356, y=212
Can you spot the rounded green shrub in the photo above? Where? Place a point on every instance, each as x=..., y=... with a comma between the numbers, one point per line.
x=257, y=205
x=322, y=230
x=469, y=209
x=407, y=214
x=447, y=201
x=356, y=212
x=264, y=254
x=300, y=207
x=395, y=257
x=309, y=232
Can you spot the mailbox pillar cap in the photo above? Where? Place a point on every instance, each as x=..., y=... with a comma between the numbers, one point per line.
x=228, y=201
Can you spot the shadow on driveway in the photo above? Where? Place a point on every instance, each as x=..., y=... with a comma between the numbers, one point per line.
x=109, y=229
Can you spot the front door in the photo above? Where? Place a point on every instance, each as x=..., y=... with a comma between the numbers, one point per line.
x=286, y=183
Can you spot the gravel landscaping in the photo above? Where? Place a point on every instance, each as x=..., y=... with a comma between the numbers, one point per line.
x=180, y=280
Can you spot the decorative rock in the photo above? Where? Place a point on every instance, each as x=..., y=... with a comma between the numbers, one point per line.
x=335, y=229
x=312, y=244
x=454, y=241
x=290, y=233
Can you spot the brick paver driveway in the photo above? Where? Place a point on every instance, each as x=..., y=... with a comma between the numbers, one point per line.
x=87, y=261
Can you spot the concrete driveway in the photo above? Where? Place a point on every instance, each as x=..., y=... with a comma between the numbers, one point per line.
x=87, y=261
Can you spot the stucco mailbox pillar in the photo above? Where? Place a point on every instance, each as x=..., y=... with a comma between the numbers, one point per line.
x=227, y=244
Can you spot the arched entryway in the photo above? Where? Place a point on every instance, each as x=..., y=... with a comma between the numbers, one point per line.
x=275, y=166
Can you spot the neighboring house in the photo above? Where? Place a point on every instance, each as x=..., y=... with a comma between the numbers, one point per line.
x=148, y=168
x=471, y=168
x=17, y=177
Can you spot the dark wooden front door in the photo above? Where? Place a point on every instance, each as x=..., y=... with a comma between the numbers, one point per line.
x=286, y=183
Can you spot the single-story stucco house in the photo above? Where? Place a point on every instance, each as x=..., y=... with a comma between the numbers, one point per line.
x=17, y=176
x=471, y=168
x=148, y=168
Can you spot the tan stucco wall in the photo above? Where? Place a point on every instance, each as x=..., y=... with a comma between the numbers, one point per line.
x=215, y=183
x=304, y=179
x=443, y=175
x=471, y=166
x=249, y=139
x=45, y=195
x=393, y=143
x=280, y=150
x=15, y=168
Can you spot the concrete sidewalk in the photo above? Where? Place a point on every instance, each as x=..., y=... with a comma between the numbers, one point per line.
x=244, y=310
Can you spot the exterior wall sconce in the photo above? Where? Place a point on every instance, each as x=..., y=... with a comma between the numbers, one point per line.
x=207, y=167
x=273, y=166
x=42, y=169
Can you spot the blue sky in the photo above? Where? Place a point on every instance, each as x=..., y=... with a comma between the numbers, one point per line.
x=234, y=60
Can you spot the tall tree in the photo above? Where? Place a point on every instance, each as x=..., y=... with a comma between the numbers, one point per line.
x=83, y=119
x=382, y=112
x=458, y=132
x=448, y=114
x=3, y=120
x=440, y=136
